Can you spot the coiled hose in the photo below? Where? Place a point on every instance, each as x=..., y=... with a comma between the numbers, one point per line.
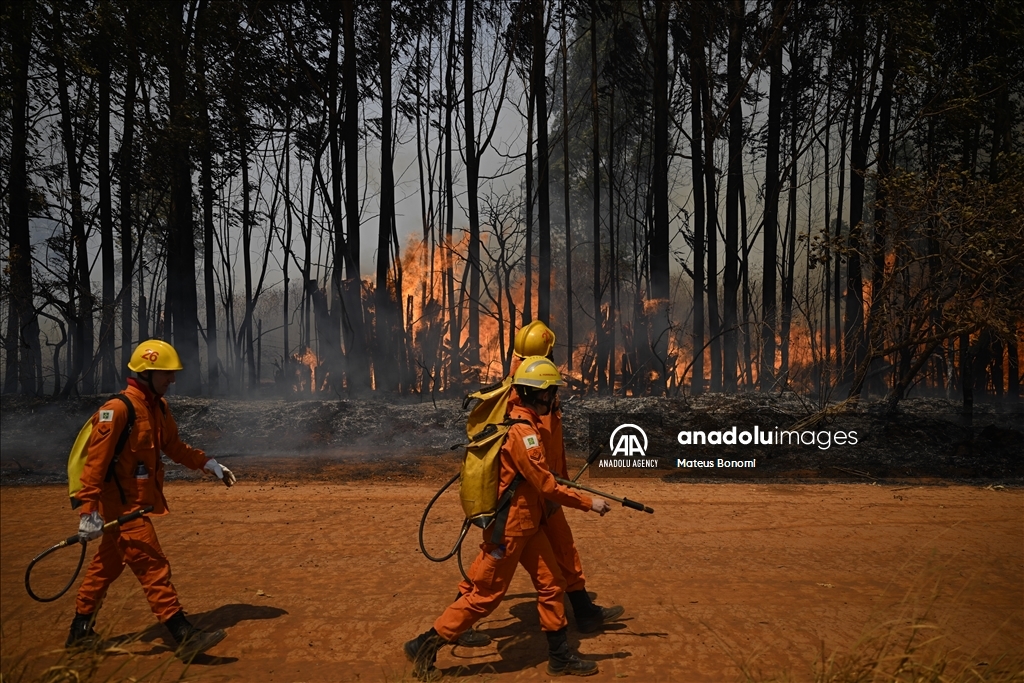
x=457, y=548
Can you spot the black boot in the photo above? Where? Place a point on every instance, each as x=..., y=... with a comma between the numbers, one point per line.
x=590, y=617
x=422, y=652
x=191, y=640
x=562, y=661
x=81, y=634
x=471, y=637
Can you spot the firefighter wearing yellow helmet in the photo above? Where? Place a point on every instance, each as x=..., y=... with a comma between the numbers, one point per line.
x=536, y=336
x=536, y=341
x=518, y=535
x=116, y=484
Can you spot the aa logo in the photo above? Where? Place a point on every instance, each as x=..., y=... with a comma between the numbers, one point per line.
x=151, y=355
x=629, y=441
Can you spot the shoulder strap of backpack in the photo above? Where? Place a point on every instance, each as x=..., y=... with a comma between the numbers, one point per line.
x=122, y=441
x=504, y=503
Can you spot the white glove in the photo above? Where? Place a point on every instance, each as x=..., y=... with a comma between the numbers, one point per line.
x=219, y=471
x=90, y=526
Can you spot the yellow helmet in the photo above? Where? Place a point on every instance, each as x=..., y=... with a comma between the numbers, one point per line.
x=537, y=372
x=154, y=354
x=534, y=339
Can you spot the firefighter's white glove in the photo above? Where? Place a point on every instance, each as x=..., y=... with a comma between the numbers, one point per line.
x=90, y=526
x=219, y=471
x=600, y=506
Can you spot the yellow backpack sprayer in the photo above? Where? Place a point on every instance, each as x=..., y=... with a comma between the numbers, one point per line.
x=487, y=427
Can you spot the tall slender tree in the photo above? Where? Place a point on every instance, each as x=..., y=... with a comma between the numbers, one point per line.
x=472, y=182
x=697, y=74
x=601, y=337
x=107, y=311
x=659, y=246
x=770, y=228
x=538, y=85
x=732, y=196
x=22, y=342
x=384, y=364
x=182, y=304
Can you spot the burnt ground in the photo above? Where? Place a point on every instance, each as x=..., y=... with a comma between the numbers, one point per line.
x=926, y=440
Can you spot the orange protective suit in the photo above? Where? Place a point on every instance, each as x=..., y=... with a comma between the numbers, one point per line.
x=524, y=540
x=555, y=525
x=140, y=474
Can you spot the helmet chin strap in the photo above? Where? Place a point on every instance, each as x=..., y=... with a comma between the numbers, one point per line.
x=147, y=377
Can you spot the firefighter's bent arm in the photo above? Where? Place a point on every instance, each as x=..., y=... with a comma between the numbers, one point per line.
x=532, y=464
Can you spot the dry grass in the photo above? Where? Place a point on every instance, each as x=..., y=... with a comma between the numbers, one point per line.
x=913, y=647
x=111, y=661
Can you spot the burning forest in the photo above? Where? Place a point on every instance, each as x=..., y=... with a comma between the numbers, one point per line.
x=327, y=200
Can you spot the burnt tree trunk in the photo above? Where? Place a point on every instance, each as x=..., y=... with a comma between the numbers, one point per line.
x=538, y=80
x=696, y=56
x=659, y=248
x=600, y=336
x=770, y=229
x=207, y=198
x=348, y=295
x=79, y=286
x=472, y=181
x=126, y=184
x=565, y=187
x=732, y=197
x=22, y=343
x=385, y=368
x=182, y=304
x=107, y=309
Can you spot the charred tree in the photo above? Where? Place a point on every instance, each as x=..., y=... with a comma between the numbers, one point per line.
x=205, y=149
x=80, y=290
x=181, y=304
x=126, y=180
x=697, y=86
x=711, y=199
x=385, y=368
x=732, y=197
x=770, y=229
x=22, y=342
x=863, y=124
x=107, y=309
x=472, y=181
x=565, y=187
x=454, y=332
x=659, y=247
x=348, y=295
x=601, y=338
x=538, y=84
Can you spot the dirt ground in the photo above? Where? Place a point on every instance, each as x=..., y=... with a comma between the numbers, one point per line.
x=321, y=580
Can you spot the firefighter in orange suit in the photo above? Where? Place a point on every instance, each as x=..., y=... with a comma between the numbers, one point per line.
x=519, y=538
x=136, y=480
x=537, y=339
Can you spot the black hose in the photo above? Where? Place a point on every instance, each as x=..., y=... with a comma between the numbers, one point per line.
x=423, y=522
x=71, y=540
x=40, y=556
x=462, y=569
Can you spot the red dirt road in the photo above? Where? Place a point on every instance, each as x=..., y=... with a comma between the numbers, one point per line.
x=324, y=581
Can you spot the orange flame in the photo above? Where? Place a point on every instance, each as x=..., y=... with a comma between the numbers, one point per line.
x=307, y=359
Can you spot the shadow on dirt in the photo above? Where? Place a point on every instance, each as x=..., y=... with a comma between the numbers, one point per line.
x=223, y=617
x=522, y=645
